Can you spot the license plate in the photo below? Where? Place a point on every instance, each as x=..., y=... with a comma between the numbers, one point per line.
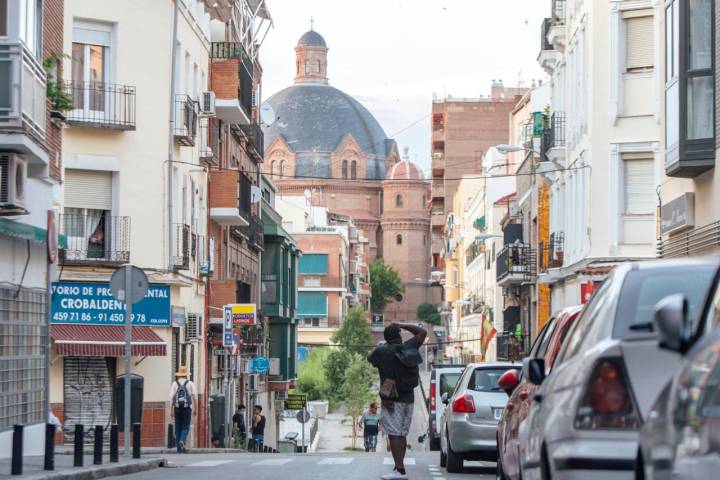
x=497, y=412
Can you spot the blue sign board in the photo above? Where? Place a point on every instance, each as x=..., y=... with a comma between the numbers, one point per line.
x=261, y=364
x=93, y=304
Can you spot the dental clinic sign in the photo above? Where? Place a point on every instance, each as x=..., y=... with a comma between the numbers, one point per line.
x=93, y=304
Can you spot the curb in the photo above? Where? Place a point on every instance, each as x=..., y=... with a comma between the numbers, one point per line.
x=165, y=451
x=105, y=471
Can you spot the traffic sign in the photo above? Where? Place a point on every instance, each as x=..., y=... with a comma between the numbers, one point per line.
x=296, y=401
x=261, y=364
x=138, y=284
x=303, y=416
x=228, y=336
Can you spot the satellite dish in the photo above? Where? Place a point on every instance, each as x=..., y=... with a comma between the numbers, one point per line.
x=267, y=114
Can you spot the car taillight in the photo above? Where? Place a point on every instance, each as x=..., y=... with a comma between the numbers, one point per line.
x=433, y=391
x=464, y=404
x=607, y=402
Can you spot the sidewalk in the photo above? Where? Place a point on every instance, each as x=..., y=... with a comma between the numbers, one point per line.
x=335, y=431
x=64, y=470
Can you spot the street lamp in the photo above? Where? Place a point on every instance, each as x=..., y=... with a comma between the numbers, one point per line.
x=485, y=236
x=545, y=166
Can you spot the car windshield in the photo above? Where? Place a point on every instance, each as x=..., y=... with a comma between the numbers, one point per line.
x=486, y=380
x=644, y=288
x=448, y=382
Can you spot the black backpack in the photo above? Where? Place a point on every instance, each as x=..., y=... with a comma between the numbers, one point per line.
x=183, y=399
x=407, y=372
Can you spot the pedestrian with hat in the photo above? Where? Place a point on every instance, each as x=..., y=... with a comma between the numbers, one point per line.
x=183, y=396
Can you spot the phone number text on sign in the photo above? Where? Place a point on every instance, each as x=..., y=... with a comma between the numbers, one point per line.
x=93, y=304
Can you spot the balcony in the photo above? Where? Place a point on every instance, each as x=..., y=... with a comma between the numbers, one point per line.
x=474, y=250
x=230, y=202
x=181, y=247
x=557, y=250
x=95, y=239
x=515, y=265
x=101, y=105
x=552, y=143
x=256, y=140
x=548, y=56
x=209, y=151
x=557, y=33
x=511, y=347
x=232, y=73
x=22, y=102
x=253, y=232
x=185, y=123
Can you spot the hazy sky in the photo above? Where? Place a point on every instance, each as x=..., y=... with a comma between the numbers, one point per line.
x=394, y=55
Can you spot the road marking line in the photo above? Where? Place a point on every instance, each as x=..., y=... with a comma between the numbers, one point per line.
x=336, y=461
x=390, y=461
x=273, y=462
x=209, y=463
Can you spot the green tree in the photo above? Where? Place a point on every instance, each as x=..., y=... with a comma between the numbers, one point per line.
x=385, y=285
x=354, y=334
x=356, y=390
x=334, y=367
x=428, y=313
x=311, y=374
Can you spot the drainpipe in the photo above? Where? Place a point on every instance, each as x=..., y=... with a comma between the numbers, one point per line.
x=173, y=86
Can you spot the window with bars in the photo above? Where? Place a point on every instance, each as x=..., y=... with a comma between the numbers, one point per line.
x=193, y=327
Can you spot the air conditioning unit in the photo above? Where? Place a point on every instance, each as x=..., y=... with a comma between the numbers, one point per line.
x=193, y=327
x=253, y=382
x=207, y=108
x=13, y=180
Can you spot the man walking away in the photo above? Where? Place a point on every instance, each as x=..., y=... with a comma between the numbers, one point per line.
x=258, y=429
x=398, y=366
x=370, y=422
x=239, y=430
x=182, y=397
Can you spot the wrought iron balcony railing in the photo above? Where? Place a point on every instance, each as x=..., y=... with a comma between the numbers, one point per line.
x=101, y=105
x=558, y=11
x=256, y=140
x=181, y=247
x=515, y=261
x=511, y=347
x=235, y=51
x=253, y=232
x=95, y=239
x=554, y=132
x=185, y=123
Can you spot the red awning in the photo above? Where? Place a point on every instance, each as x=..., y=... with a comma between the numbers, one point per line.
x=105, y=341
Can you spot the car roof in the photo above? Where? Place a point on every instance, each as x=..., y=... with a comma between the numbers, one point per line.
x=668, y=263
x=507, y=365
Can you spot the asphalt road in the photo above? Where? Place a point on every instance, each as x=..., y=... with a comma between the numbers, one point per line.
x=420, y=466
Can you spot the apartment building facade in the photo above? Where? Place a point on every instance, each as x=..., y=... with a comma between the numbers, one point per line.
x=609, y=98
x=689, y=221
x=30, y=173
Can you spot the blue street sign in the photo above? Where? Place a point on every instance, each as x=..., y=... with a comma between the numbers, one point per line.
x=261, y=364
x=92, y=303
x=303, y=353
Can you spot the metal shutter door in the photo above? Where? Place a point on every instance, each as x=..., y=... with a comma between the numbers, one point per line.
x=88, y=396
x=640, y=44
x=640, y=194
x=88, y=189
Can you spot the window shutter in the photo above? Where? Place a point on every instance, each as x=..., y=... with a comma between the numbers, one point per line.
x=314, y=264
x=88, y=189
x=640, y=42
x=312, y=304
x=640, y=197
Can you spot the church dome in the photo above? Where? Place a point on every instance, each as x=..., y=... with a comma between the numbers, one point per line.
x=404, y=170
x=311, y=39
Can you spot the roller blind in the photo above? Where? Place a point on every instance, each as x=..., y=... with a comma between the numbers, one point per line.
x=314, y=263
x=640, y=197
x=312, y=304
x=88, y=189
x=640, y=42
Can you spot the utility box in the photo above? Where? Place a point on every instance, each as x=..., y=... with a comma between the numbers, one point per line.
x=136, y=400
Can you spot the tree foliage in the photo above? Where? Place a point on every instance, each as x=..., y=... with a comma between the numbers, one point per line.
x=356, y=390
x=334, y=368
x=428, y=313
x=385, y=285
x=354, y=334
x=311, y=374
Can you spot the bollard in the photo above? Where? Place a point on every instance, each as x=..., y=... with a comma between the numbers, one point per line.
x=136, y=440
x=17, y=450
x=49, y=463
x=171, y=436
x=78, y=445
x=97, y=451
x=113, y=443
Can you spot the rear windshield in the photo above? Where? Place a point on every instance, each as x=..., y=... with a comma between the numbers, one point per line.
x=643, y=289
x=448, y=382
x=486, y=380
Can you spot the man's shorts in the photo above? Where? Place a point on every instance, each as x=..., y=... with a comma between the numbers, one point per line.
x=397, y=422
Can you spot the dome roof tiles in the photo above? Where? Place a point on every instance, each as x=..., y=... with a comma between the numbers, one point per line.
x=311, y=39
x=404, y=170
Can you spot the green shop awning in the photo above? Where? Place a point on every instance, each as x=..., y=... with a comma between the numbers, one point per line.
x=312, y=304
x=23, y=231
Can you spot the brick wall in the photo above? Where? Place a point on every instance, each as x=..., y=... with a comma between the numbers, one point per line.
x=53, y=43
x=224, y=189
x=224, y=78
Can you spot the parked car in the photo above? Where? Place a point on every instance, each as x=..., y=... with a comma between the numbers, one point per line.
x=585, y=420
x=469, y=423
x=521, y=392
x=443, y=379
x=681, y=438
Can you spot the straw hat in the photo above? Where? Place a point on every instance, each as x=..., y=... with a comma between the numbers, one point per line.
x=182, y=371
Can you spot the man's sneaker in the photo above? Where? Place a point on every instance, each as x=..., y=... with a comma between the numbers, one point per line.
x=395, y=475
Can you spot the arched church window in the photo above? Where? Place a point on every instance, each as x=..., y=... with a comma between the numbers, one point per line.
x=353, y=170
x=398, y=239
x=282, y=169
x=318, y=66
x=307, y=66
x=272, y=168
x=344, y=170
x=399, y=201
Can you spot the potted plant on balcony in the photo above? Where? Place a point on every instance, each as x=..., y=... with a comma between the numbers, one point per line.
x=60, y=100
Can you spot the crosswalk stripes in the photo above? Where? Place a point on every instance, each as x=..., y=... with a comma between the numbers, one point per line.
x=336, y=461
x=390, y=461
x=272, y=462
x=209, y=463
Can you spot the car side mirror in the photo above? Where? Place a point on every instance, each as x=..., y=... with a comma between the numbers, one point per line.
x=509, y=381
x=444, y=398
x=671, y=320
x=534, y=370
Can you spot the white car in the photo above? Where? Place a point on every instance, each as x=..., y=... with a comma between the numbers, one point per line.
x=585, y=418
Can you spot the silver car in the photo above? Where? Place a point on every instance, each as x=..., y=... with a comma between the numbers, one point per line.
x=584, y=421
x=468, y=425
